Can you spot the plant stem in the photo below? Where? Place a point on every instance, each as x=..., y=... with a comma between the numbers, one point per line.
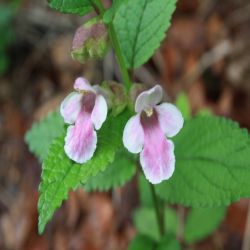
x=98, y=6
x=119, y=56
x=159, y=211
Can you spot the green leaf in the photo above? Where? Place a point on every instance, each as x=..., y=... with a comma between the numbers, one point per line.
x=140, y=26
x=42, y=133
x=146, y=223
x=80, y=7
x=212, y=164
x=141, y=242
x=201, y=222
x=60, y=174
x=182, y=103
x=120, y=171
x=169, y=242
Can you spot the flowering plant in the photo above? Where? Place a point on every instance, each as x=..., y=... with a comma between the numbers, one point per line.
x=106, y=126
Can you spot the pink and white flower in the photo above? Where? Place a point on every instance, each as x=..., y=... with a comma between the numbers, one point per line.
x=146, y=132
x=85, y=110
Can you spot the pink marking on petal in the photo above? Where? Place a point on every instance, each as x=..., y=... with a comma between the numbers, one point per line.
x=148, y=99
x=99, y=112
x=133, y=135
x=157, y=158
x=83, y=84
x=170, y=119
x=81, y=139
x=70, y=107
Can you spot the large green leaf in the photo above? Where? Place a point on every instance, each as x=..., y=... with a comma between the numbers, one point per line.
x=80, y=7
x=212, y=164
x=60, y=174
x=146, y=222
x=141, y=26
x=202, y=222
x=120, y=171
x=42, y=133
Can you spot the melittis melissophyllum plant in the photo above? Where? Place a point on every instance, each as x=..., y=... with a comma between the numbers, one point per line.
x=103, y=133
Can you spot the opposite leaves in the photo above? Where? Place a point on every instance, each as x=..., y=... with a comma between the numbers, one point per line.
x=60, y=174
x=212, y=164
x=140, y=26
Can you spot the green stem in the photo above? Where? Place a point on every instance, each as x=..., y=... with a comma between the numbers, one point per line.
x=159, y=211
x=97, y=4
x=119, y=56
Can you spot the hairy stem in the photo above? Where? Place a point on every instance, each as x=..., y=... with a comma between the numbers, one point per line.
x=159, y=210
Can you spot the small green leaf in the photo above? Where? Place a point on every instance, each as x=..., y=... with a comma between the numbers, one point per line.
x=141, y=242
x=60, y=174
x=146, y=223
x=80, y=7
x=183, y=105
x=141, y=26
x=120, y=171
x=169, y=242
x=42, y=133
x=201, y=222
x=212, y=164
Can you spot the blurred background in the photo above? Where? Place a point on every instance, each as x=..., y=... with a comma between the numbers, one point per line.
x=205, y=55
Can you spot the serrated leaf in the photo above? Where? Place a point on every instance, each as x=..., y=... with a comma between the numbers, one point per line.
x=141, y=242
x=201, y=222
x=140, y=26
x=120, y=171
x=146, y=222
x=42, y=133
x=169, y=242
x=212, y=164
x=60, y=174
x=80, y=7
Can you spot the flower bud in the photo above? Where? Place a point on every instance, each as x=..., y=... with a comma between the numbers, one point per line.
x=90, y=41
x=115, y=95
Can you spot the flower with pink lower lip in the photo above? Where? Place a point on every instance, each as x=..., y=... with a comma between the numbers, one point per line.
x=84, y=110
x=146, y=132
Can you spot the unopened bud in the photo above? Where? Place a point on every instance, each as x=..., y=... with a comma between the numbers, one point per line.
x=90, y=41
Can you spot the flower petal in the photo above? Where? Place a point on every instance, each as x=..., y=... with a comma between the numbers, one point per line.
x=170, y=119
x=133, y=137
x=148, y=99
x=83, y=84
x=157, y=158
x=99, y=112
x=70, y=107
x=81, y=139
